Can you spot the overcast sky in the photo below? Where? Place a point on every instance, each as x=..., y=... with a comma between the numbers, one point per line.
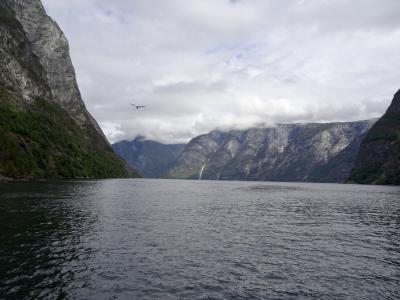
x=198, y=65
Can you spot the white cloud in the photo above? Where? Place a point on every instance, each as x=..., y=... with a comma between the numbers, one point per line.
x=204, y=64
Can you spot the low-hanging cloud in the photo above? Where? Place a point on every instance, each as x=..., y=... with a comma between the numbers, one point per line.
x=204, y=64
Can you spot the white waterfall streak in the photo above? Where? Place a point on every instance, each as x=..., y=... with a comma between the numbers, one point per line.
x=201, y=171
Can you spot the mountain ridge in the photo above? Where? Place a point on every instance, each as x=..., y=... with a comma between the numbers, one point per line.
x=286, y=152
x=150, y=158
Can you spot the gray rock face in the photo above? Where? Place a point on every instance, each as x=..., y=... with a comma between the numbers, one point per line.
x=42, y=66
x=20, y=68
x=297, y=152
x=150, y=158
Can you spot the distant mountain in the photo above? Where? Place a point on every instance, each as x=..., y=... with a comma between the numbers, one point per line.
x=45, y=129
x=150, y=158
x=287, y=152
x=378, y=161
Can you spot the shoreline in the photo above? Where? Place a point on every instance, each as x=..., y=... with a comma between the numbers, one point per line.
x=5, y=179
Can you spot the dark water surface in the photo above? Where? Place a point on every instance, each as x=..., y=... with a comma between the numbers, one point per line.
x=154, y=239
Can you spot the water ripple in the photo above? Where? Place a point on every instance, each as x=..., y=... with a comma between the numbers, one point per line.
x=153, y=239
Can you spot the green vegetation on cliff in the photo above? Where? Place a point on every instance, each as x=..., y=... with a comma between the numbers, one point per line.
x=378, y=161
x=40, y=140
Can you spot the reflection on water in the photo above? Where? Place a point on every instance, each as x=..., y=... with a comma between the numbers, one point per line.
x=41, y=229
x=154, y=239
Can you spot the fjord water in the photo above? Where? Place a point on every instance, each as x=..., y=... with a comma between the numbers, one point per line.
x=169, y=239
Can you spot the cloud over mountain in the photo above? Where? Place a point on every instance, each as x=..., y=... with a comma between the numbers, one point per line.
x=198, y=65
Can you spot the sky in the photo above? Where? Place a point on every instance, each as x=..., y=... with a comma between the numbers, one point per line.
x=200, y=65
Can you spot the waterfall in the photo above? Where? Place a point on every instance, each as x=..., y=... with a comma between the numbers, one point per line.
x=201, y=171
x=219, y=173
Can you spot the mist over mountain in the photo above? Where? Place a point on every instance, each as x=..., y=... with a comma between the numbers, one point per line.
x=316, y=152
x=205, y=64
x=319, y=152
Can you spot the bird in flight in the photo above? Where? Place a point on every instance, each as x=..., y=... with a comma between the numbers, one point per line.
x=138, y=106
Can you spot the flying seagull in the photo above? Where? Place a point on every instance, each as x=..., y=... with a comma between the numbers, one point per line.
x=138, y=106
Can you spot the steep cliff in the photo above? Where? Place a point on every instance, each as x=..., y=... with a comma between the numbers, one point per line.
x=150, y=158
x=378, y=161
x=45, y=129
x=296, y=152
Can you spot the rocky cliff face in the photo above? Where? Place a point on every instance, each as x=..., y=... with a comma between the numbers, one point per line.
x=46, y=130
x=298, y=152
x=150, y=158
x=378, y=161
x=46, y=53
